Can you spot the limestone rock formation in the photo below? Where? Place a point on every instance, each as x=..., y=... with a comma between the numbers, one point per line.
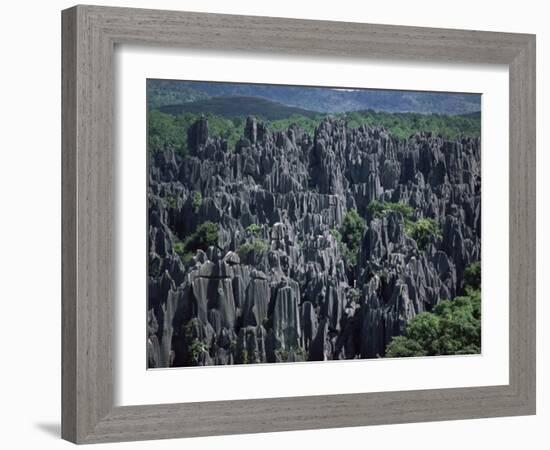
x=276, y=286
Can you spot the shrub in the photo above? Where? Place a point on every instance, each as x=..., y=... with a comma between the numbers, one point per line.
x=254, y=229
x=350, y=236
x=336, y=234
x=258, y=247
x=352, y=229
x=195, y=347
x=401, y=346
x=453, y=328
x=179, y=248
x=204, y=236
x=171, y=201
x=422, y=230
x=380, y=209
x=163, y=132
x=472, y=276
x=197, y=202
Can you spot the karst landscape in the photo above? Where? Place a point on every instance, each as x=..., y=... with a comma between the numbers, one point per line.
x=281, y=234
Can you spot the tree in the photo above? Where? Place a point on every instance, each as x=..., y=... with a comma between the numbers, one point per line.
x=197, y=201
x=256, y=247
x=472, y=275
x=382, y=209
x=204, y=236
x=163, y=133
x=401, y=346
x=453, y=328
x=254, y=229
x=350, y=236
x=422, y=230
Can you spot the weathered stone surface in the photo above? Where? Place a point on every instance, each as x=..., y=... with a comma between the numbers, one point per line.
x=275, y=287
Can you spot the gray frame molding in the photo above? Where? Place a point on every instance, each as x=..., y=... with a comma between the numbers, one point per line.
x=89, y=36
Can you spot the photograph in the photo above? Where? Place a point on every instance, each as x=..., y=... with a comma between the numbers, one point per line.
x=271, y=225
x=303, y=223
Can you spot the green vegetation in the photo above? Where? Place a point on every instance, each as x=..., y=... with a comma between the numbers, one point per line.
x=279, y=116
x=195, y=346
x=472, y=275
x=204, y=236
x=400, y=125
x=422, y=230
x=196, y=202
x=229, y=129
x=168, y=92
x=244, y=356
x=380, y=209
x=174, y=92
x=254, y=229
x=403, y=125
x=168, y=130
x=196, y=349
x=170, y=200
x=308, y=124
x=350, y=236
x=164, y=133
x=258, y=247
x=239, y=106
x=179, y=248
x=453, y=328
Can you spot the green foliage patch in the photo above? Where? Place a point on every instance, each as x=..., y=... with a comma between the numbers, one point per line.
x=205, y=235
x=422, y=230
x=254, y=229
x=196, y=202
x=258, y=247
x=380, y=209
x=350, y=236
x=169, y=131
x=472, y=275
x=400, y=125
x=165, y=133
x=453, y=328
x=195, y=347
x=404, y=125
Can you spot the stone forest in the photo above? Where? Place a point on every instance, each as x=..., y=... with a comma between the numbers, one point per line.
x=293, y=245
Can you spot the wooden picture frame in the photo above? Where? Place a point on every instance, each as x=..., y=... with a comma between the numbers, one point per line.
x=90, y=34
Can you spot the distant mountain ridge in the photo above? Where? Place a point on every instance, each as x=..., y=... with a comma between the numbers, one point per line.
x=162, y=93
x=238, y=106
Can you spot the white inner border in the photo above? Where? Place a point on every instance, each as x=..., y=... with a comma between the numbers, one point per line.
x=135, y=385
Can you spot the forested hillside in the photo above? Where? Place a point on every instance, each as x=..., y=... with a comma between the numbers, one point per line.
x=319, y=99
x=168, y=130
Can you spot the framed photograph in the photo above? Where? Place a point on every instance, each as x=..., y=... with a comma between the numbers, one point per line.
x=277, y=224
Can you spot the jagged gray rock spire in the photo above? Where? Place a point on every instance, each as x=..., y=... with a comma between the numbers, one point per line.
x=280, y=291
